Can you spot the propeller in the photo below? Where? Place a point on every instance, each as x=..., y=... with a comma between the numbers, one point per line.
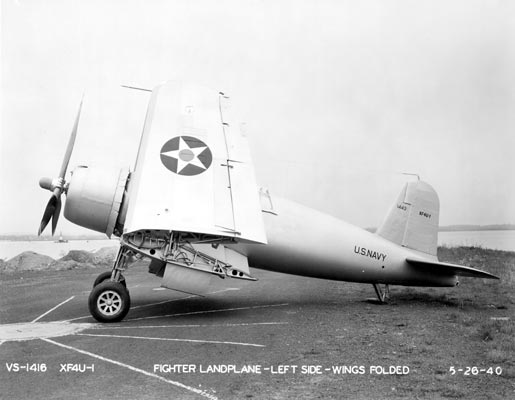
x=57, y=185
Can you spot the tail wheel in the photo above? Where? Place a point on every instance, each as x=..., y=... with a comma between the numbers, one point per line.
x=109, y=301
x=106, y=276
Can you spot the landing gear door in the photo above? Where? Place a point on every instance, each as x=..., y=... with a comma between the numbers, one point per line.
x=226, y=255
x=237, y=260
x=200, y=279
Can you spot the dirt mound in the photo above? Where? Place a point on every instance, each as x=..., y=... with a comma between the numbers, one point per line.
x=79, y=256
x=74, y=259
x=27, y=261
x=31, y=261
x=105, y=256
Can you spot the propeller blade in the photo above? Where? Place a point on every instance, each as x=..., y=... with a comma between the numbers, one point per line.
x=53, y=208
x=71, y=142
x=47, y=215
x=55, y=215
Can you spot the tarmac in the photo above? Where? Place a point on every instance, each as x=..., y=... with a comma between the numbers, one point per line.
x=280, y=337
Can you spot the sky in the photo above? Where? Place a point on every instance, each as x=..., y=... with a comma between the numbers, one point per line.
x=340, y=97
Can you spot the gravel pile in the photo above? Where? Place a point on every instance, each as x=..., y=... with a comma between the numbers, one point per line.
x=31, y=261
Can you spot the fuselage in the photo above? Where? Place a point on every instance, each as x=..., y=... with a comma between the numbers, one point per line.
x=303, y=241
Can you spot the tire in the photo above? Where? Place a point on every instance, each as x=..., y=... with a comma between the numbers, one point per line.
x=109, y=301
x=107, y=275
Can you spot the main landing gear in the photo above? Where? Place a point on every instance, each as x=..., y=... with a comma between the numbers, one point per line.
x=109, y=301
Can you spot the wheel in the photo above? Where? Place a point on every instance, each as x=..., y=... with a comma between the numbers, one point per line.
x=109, y=301
x=107, y=275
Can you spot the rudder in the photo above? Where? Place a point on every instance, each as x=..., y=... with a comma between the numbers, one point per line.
x=413, y=219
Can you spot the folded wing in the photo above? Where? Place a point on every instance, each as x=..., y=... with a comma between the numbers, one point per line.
x=193, y=172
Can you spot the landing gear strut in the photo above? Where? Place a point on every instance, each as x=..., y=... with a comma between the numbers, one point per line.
x=382, y=295
x=109, y=301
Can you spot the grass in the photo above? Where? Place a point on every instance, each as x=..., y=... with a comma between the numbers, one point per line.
x=477, y=318
x=499, y=337
x=497, y=262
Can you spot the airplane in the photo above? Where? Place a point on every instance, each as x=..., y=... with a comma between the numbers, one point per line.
x=192, y=206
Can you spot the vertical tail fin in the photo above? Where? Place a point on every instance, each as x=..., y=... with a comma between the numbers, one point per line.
x=413, y=220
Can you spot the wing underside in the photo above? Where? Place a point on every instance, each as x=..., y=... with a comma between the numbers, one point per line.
x=450, y=269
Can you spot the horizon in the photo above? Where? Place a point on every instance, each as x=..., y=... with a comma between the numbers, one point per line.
x=92, y=234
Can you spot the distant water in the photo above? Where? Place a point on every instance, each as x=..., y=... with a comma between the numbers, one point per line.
x=10, y=249
x=499, y=240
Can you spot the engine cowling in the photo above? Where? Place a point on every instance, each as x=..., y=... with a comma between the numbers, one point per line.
x=95, y=198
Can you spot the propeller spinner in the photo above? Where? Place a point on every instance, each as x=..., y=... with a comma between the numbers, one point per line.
x=58, y=186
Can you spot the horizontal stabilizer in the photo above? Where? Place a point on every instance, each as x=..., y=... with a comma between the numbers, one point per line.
x=440, y=267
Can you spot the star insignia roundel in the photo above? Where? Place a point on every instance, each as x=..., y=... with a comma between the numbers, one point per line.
x=186, y=155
